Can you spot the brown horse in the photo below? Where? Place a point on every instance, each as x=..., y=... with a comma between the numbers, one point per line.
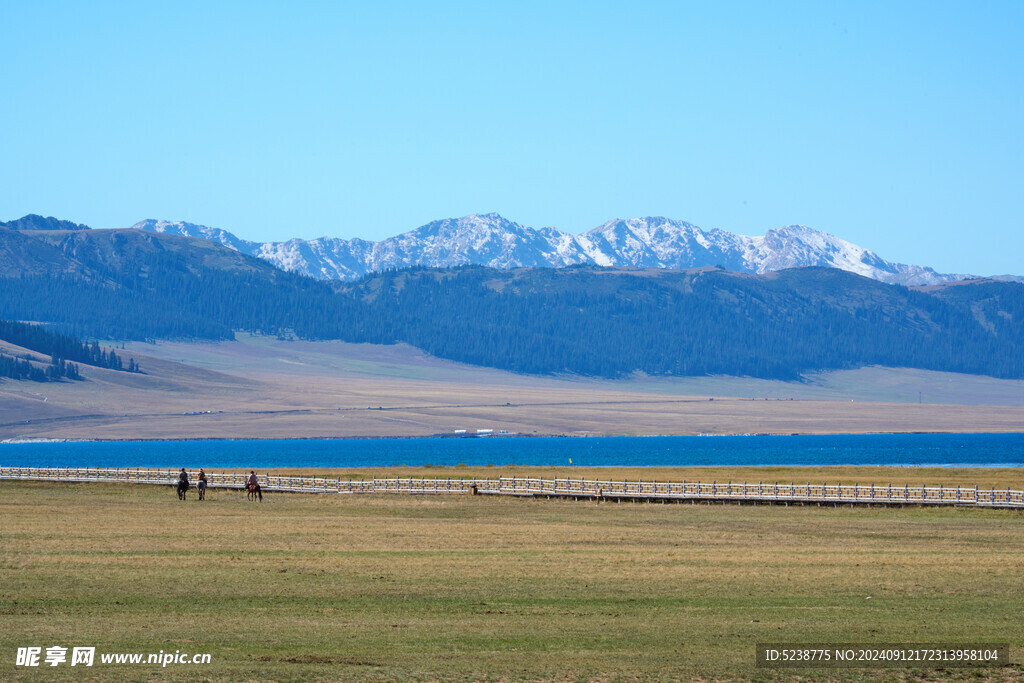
x=253, y=492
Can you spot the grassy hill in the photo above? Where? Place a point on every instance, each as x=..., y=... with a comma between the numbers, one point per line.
x=262, y=387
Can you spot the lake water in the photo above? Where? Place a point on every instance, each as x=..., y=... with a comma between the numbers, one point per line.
x=944, y=450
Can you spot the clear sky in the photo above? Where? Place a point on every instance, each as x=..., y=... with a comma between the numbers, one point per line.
x=895, y=125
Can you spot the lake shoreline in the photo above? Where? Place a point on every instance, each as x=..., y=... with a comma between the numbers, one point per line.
x=805, y=450
x=475, y=437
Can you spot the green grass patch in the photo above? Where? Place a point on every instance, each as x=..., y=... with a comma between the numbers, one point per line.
x=389, y=587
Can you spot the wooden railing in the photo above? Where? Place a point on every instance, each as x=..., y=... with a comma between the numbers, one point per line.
x=603, y=489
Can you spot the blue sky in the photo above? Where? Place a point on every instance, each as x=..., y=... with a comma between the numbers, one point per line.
x=894, y=125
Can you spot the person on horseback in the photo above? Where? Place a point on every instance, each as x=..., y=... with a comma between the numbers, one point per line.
x=201, y=486
x=252, y=487
x=182, y=484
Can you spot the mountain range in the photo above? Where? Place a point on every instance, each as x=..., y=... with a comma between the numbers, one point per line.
x=496, y=242
x=579, y=319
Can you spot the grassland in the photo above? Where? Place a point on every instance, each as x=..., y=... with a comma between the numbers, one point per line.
x=385, y=587
x=261, y=387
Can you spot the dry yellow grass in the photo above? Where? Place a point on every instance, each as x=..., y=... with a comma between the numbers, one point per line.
x=460, y=588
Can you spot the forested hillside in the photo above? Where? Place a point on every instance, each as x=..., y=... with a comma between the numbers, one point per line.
x=61, y=347
x=127, y=284
x=58, y=346
x=584, y=320
x=609, y=322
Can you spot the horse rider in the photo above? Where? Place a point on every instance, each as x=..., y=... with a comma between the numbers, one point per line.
x=202, y=484
x=252, y=482
x=182, y=484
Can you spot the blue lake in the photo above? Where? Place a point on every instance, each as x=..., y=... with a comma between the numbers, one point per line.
x=945, y=450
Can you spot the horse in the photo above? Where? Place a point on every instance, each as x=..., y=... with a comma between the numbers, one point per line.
x=253, y=492
x=201, y=487
x=182, y=488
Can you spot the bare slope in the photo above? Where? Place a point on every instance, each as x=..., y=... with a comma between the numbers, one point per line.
x=260, y=387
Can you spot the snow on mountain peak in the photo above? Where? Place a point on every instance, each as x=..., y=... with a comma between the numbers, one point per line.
x=184, y=229
x=492, y=240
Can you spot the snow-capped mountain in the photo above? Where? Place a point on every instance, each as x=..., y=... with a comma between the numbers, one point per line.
x=664, y=243
x=192, y=230
x=491, y=240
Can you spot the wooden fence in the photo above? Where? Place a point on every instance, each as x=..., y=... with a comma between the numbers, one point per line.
x=593, y=489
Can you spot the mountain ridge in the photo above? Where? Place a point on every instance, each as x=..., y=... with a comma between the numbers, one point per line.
x=580, y=320
x=34, y=221
x=494, y=241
